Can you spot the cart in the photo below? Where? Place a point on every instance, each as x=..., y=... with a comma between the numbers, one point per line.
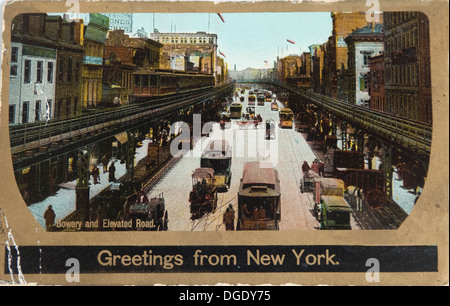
x=308, y=181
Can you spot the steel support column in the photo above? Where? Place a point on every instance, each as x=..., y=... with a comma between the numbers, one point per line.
x=344, y=135
x=131, y=150
x=387, y=168
x=82, y=187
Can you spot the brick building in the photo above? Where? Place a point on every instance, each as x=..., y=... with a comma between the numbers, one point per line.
x=376, y=82
x=69, y=66
x=317, y=52
x=407, y=65
x=335, y=57
x=94, y=42
x=123, y=55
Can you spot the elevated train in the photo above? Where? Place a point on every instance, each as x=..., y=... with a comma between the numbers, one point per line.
x=150, y=83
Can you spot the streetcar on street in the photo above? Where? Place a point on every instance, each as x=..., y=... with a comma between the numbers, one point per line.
x=203, y=197
x=217, y=155
x=236, y=110
x=261, y=99
x=286, y=118
x=259, y=197
x=251, y=99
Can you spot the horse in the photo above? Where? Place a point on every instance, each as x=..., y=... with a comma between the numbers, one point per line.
x=356, y=194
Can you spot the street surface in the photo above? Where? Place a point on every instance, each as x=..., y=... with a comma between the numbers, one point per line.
x=287, y=152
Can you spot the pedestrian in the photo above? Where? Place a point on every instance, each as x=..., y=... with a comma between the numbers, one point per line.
x=230, y=206
x=112, y=173
x=305, y=167
x=315, y=166
x=49, y=217
x=226, y=219
x=96, y=175
x=321, y=168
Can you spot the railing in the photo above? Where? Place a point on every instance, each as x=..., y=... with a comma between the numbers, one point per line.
x=28, y=136
x=408, y=133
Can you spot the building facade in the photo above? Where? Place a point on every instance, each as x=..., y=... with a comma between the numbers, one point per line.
x=94, y=42
x=335, y=57
x=317, y=52
x=32, y=70
x=188, y=51
x=376, y=82
x=362, y=43
x=123, y=55
x=407, y=65
x=69, y=66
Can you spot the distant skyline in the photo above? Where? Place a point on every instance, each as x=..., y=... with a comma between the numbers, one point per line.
x=247, y=39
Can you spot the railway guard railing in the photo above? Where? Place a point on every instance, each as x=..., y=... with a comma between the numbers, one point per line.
x=28, y=136
x=398, y=130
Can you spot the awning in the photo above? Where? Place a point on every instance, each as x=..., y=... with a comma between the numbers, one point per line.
x=122, y=137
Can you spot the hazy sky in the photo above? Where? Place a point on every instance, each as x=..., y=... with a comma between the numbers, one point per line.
x=247, y=39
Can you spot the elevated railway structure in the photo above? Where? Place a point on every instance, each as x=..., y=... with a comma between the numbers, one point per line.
x=36, y=142
x=393, y=133
x=409, y=134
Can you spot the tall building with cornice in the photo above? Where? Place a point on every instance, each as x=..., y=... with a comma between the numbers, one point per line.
x=407, y=65
x=188, y=51
x=335, y=57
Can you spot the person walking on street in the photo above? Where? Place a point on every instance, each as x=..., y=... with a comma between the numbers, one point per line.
x=112, y=173
x=96, y=175
x=49, y=217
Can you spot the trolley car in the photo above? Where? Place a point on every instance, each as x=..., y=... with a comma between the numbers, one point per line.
x=217, y=155
x=203, y=197
x=286, y=117
x=259, y=205
x=236, y=110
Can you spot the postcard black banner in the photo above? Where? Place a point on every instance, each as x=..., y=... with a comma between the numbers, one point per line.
x=217, y=258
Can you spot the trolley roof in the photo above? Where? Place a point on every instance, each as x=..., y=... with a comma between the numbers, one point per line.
x=286, y=110
x=218, y=148
x=203, y=173
x=335, y=203
x=256, y=174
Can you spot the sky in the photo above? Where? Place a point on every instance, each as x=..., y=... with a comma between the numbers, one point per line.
x=247, y=39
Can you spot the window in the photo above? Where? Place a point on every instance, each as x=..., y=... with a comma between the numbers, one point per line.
x=14, y=58
x=13, y=70
x=25, y=107
x=50, y=72
x=48, y=109
x=27, y=71
x=77, y=71
x=69, y=70
x=366, y=56
x=12, y=113
x=39, y=71
x=14, y=54
x=37, y=111
x=60, y=69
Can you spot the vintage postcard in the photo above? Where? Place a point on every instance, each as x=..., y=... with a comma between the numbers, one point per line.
x=188, y=143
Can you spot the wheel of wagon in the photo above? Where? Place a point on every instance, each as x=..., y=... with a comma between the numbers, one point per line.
x=375, y=198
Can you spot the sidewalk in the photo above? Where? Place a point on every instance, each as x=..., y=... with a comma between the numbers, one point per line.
x=63, y=202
